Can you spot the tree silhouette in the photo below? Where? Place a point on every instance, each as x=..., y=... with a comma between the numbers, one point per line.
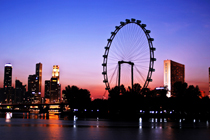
x=77, y=98
x=137, y=88
x=193, y=92
x=179, y=89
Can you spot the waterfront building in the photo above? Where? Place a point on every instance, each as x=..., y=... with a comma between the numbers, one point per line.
x=35, y=83
x=56, y=72
x=47, y=91
x=53, y=87
x=173, y=72
x=54, y=90
x=8, y=90
x=7, y=76
x=32, y=81
x=39, y=75
x=209, y=80
x=20, y=91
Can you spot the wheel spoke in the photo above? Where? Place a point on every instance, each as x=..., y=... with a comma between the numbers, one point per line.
x=129, y=47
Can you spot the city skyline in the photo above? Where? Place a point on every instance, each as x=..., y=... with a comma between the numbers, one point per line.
x=73, y=35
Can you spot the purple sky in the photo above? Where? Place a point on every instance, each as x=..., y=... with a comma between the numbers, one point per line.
x=72, y=34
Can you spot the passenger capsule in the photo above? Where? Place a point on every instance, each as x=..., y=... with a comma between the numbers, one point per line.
x=133, y=19
x=138, y=21
x=143, y=25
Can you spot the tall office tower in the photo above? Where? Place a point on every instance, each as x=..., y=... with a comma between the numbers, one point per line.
x=39, y=75
x=35, y=83
x=47, y=91
x=8, y=89
x=20, y=91
x=7, y=76
x=209, y=80
x=55, y=87
x=173, y=72
x=54, y=90
x=55, y=72
x=32, y=86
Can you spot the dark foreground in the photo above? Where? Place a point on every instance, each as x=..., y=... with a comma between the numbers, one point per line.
x=55, y=128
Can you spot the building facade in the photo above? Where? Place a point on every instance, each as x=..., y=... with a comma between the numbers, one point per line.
x=20, y=91
x=8, y=89
x=7, y=75
x=56, y=73
x=173, y=72
x=47, y=91
x=53, y=87
x=209, y=80
x=34, y=84
x=39, y=75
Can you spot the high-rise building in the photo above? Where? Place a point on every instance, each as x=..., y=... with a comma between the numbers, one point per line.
x=47, y=91
x=173, y=72
x=209, y=80
x=54, y=86
x=7, y=76
x=54, y=90
x=32, y=86
x=35, y=83
x=8, y=89
x=39, y=75
x=55, y=72
x=20, y=91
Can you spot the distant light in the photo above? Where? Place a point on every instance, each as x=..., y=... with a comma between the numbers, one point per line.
x=33, y=92
x=39, y=92
x=8, y=65
x=97, y=110
x=152, y=112
x=75, y=109
x=85, y=109
x=159, y=88
x=140, y=120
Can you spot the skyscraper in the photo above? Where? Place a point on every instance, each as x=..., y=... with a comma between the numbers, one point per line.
x=35, y=83
x=173, y=72
x=20, y=91
x=55, y=72
x=39, y=75
x=7, y=75
x=209, y=80
x=54, y=90
x=55, y=87
x=47, y=91
x=32, y=88
x=8, y=90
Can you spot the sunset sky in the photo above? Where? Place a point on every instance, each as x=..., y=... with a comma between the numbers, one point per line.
x=73, y=34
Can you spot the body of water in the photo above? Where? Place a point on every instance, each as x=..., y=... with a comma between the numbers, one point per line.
x=55, y=128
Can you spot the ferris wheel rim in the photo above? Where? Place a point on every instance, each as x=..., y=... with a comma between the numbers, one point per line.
x=150, y=45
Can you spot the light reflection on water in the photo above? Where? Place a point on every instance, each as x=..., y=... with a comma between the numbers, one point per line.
x=53, y=128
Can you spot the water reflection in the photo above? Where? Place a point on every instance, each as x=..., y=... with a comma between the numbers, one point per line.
x=53, y=128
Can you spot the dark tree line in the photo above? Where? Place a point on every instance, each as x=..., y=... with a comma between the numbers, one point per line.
x=185, y=101
x=76, y=97
x=126, y=103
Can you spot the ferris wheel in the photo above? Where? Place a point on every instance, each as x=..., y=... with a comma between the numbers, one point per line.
x=129, y=56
